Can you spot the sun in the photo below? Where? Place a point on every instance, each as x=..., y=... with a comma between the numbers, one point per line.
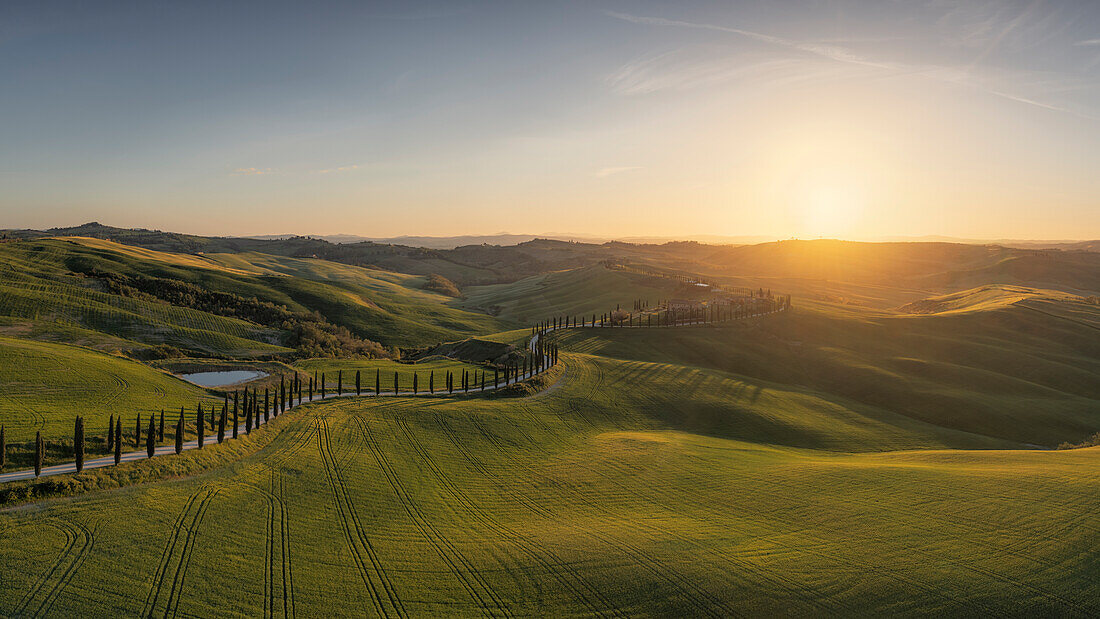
x=829, y=208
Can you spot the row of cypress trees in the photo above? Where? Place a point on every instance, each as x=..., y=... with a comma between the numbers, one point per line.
x=284, y=398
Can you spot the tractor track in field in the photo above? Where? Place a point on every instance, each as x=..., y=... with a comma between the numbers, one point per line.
x=183, y=536
x=471, y=579
x=78, y=540
x=915, y=549
x=676, y=580
x=547, y=559
x=357, y=540
x=870, y=568
x=289, y=609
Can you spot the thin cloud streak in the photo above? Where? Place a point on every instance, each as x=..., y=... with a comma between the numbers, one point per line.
x=605, y=172
x=960, y=76
x=346, y=168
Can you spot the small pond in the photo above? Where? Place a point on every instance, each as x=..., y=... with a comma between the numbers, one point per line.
x=221, y=379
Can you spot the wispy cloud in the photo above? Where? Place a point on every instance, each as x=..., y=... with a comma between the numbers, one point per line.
x=826, y=50
x=346, y=168
x=605, y=172
x=251, y=171
x=642, y=76
x=1088, y=43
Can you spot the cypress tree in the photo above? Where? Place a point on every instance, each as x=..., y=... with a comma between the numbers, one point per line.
x=211, y=426
x=221, y=425
x=496, y=377
x=248, y=419
x=483, y=381
x=137, y=432
x=118, y=440
x=377, y=382
x=311, y=389
x=38, y=453
x=414, y=383
x=322, y=385
x=3, y=448
x=160, y=434
x=200, y=426
x=282, y=394
x=179, y=433
x=450, y=382
x=358, y=391
x=431, y=381
x=339, y=382
x=78, y=443
x=236, y=419
x=111, y=433
x=150, y=439
x=267, y=408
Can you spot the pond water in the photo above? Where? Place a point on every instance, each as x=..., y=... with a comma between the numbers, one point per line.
x=221, y=379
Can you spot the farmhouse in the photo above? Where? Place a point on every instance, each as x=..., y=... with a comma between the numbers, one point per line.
x=683, y=305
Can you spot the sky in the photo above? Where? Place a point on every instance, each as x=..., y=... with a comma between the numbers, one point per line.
x=803, y=119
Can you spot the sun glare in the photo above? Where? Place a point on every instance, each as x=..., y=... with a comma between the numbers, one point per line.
x=829, y=209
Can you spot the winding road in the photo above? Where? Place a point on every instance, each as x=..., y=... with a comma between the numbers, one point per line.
x=167, y=450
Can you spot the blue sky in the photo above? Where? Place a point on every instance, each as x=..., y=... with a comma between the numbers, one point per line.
x=850, y=119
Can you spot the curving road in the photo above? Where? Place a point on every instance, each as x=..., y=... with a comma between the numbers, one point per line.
x=165, y=450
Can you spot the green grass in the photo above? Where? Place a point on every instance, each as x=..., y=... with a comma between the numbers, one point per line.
x=574, y=292
x=601, y=495
x=45, y=386
x=384, y=306
x=1010, y=374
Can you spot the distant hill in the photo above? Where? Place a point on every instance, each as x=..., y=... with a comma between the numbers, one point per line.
x=923, y=266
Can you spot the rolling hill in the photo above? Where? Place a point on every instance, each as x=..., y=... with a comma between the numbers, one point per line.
x=612, y=493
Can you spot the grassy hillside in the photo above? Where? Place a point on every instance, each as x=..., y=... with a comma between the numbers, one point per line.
x=48, y=281
x=608, y=494
x=578, y=291
x=45, y=386
x=1009, y=373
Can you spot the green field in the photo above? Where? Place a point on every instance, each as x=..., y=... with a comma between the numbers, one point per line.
x=607, y=494
x=47, y=385
x=829, y=460
x=579, y=292
x=41, y=283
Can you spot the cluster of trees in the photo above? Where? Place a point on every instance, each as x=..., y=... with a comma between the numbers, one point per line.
x=311, y=334
x=442, y=285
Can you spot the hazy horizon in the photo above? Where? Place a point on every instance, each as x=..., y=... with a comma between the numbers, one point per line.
x=839, y=119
